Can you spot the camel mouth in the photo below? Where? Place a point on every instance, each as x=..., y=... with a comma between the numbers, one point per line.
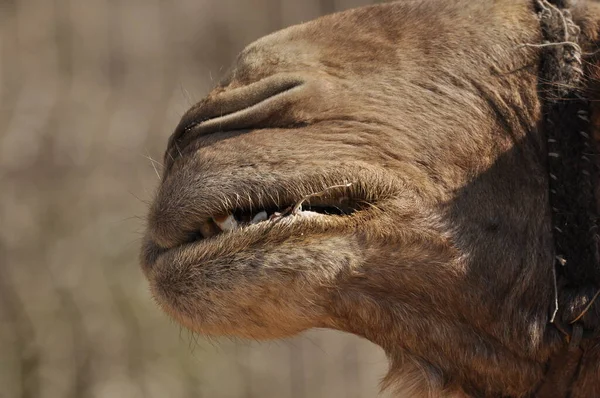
x=216, y=228
x=213, y=223
x=238, y=231
x=335, y=201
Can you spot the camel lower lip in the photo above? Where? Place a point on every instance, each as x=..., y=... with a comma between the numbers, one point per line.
x=248, y=238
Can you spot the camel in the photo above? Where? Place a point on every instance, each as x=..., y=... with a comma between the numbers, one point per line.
x=410, y=172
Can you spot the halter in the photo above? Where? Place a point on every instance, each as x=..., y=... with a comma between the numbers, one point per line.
x=574, y=173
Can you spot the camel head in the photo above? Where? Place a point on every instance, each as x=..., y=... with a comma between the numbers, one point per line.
x=381, y=171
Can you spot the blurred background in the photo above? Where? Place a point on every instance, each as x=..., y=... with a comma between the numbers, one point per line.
x=90, y=91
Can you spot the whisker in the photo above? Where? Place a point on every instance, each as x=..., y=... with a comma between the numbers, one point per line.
x=146, y=202
x=153, y=163
x=153, y=160
x=178, y=150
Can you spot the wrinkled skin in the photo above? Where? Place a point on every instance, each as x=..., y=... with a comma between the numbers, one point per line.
x=430, y=109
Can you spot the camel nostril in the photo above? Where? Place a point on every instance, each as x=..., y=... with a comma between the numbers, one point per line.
x=236, y=100
x=239, y=108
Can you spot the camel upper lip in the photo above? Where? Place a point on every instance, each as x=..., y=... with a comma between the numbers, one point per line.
x=332, y=201
x=241, y=209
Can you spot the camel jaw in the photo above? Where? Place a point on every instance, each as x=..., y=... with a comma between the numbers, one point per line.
x=198, y=277
x=250, y=221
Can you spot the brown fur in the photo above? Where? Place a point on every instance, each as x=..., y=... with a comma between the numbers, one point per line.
x=432, y=109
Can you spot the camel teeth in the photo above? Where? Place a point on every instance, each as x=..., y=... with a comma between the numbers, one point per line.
x=262, y=216
x=226, y=223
